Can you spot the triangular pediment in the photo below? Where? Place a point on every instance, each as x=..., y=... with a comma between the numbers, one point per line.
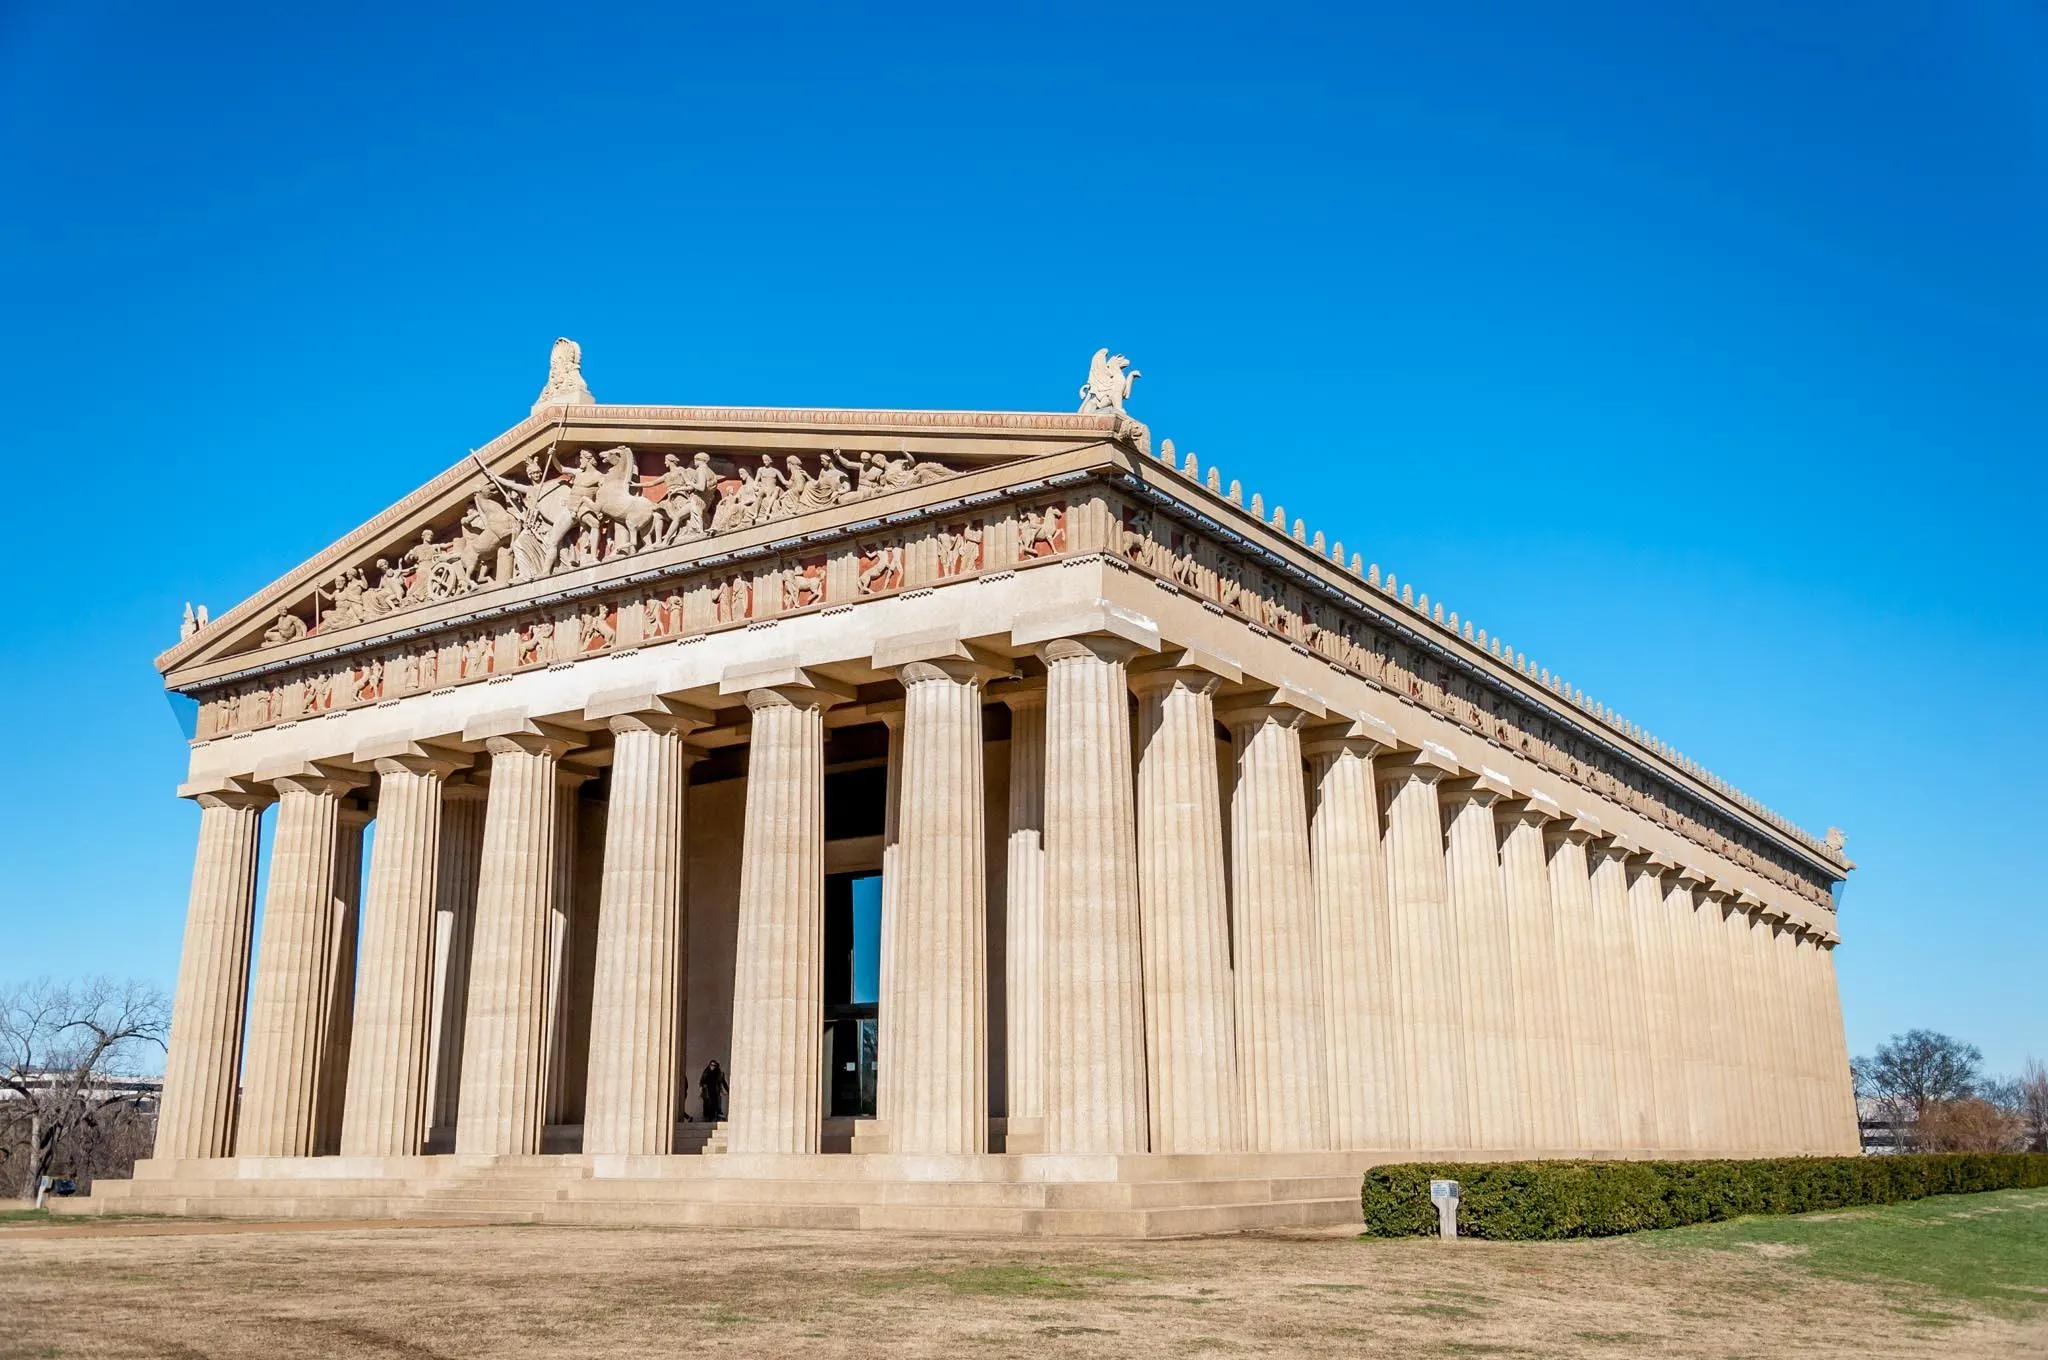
x=594, y=490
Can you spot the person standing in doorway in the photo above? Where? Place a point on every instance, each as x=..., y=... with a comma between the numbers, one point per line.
x=711, y=1088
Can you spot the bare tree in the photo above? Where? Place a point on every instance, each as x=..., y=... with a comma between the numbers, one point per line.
x=59, y=1044
x=2032, y=1104
x=1916, y=1069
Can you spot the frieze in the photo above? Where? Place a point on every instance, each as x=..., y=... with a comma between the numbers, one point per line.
x=866, y=566
x=1218, y=576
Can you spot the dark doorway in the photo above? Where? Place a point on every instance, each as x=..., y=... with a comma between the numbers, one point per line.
x=853, y=954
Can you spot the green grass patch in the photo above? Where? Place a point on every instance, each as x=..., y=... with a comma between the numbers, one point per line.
x=1989, y=1250
x=24, y=1215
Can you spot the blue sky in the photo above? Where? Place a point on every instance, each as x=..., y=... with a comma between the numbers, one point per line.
x=1698, y=349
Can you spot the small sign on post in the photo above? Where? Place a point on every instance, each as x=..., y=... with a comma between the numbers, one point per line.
x=1444, y=1194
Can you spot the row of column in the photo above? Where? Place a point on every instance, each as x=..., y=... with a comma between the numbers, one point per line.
x=1347, y=951
x=465, y=905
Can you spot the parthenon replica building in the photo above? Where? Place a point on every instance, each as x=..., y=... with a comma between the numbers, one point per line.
x=1040, y=834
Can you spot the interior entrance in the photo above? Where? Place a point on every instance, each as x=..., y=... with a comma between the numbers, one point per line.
x=853, y=958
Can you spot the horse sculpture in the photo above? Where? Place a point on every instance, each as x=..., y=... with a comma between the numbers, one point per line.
x=627, y=509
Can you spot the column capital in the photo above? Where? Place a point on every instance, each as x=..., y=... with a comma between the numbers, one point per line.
x=1089, y=646
x=1186, y=665
x=1485, y=788
x=439, y=765
x=1430, y=763
x=783, y=683
x=1365, y=734
x=1283, y=704
x=1097, y=623
x=228, y=793
x=512, y=732
x=938, y=654
x=1615, y=846
x=633, y=710
x=1536, y=809
x=312, y=777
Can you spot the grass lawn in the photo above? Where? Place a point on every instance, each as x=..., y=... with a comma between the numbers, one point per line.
x=1988, y=1251
x=1963, y=1276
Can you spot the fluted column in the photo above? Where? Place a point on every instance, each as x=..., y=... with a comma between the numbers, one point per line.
x=1634, y=1094
x=197, y=1115
x=1425, y=953
x=1726, y=958
x=289, y=1014
x=1479, y=915
x=1024, y=921
x=1281, y=1062
x=562, y=948
x=455, y=884
x=1751, y=931
x=503, y=1105
x=1656, y=957
x=636, y=1009
x=1543, y=1037
x=891, y=1006
x=341, y=986
x=385, y=1114
x=1706, y=1103
x=1847, y=1136
x=942, y=906
x=1583, y=965
x=778, y=978
x=1095, y=1098
x=1364, y=1052
x=1190, y=1035
x=1806, y=1066
x=1782, y=1118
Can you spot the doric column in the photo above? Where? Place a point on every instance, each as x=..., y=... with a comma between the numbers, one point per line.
x=455, y=883
x=890, y=1007
x=941, y=968
x=1634, y=1094
x=503, y=1105
x=1751, y=933
x=778, y=977
x=1583, y=966
x=341, y=986
x=1656, y=957
x=636, y=1011
x=1364, y=1052
x=1024, y=921
x=1706, y=1103
x=1183, y=893
x=1543, y=1037
x=561, y=947
x=385, y=1114
x=1280, y=1051
x=1425, y=955
x=1479, y=915
x=1719, y=945
x=197, y=1117
x=1095, y=1098
x=1806, y=1065
x=289, y=1020
x=1846, y=1135
x=1780, y=1118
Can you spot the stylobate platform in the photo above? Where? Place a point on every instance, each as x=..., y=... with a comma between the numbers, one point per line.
x=1022, y=1194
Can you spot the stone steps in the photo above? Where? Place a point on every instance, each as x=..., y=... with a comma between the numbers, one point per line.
x=1028, y=1195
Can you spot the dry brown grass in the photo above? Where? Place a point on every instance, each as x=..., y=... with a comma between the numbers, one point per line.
x=148, y=1289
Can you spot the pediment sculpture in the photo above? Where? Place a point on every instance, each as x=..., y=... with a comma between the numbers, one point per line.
x=563, y=515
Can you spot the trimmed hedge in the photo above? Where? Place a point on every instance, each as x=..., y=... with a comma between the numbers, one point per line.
x=1526, y=1201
